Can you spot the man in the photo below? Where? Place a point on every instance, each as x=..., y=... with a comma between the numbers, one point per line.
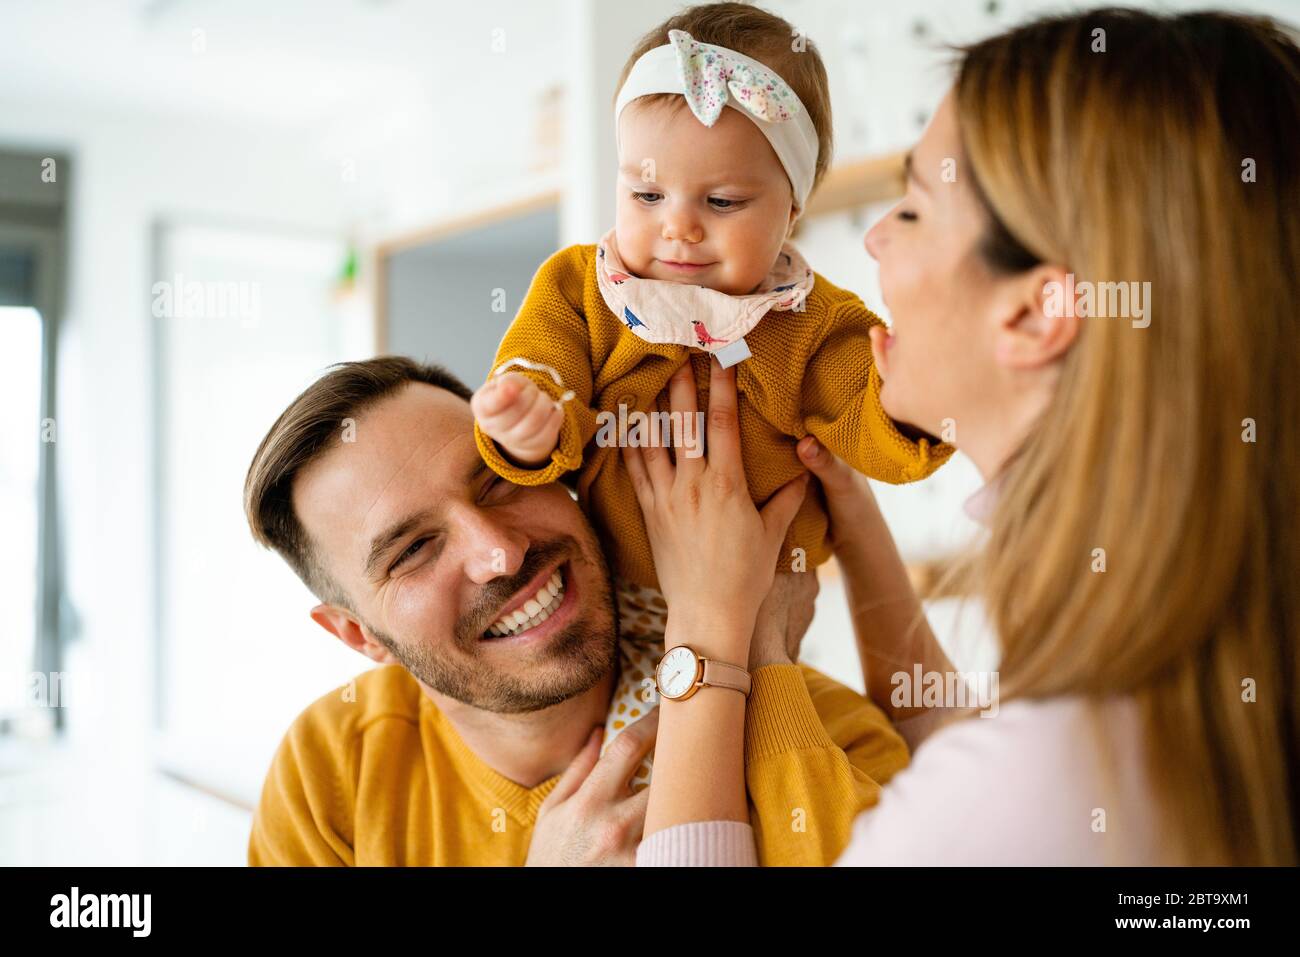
x=473, y=747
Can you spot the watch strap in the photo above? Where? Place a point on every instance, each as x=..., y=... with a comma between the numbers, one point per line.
x=719, y=674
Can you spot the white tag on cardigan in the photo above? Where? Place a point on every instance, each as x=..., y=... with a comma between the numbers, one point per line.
x=733, y=352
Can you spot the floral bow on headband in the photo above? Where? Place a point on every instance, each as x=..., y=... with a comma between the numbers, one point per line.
x=712, y=75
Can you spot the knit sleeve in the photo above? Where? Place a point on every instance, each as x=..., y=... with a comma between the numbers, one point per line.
x=551, y=329
x=816, y=754
x=699, y=844
x=841, y=395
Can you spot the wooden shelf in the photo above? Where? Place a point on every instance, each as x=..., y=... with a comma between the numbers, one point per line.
x=858, y=183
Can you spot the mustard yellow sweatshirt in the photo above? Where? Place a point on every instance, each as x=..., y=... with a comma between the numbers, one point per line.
x=810, y=372
x=378, y=776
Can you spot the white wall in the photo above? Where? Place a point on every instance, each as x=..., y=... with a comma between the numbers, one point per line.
x=125, y=172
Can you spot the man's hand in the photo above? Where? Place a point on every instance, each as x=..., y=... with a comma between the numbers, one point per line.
x=523, y=420
x=783, y=619
x=592, y=818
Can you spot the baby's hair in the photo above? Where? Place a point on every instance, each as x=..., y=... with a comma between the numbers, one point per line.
x=761, y=36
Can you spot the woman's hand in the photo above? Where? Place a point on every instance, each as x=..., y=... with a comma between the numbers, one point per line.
x=716, y=557
x=715, y=553
x=850, y=503
x=888, y=623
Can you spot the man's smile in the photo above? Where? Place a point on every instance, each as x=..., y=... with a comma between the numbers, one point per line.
x=537, y=610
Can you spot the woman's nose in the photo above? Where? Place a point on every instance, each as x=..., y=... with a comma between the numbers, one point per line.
x=874, y=239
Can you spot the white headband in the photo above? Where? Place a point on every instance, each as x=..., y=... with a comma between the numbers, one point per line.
x=711, y=77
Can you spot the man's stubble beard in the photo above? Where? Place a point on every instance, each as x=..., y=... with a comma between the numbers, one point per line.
x=586, y=650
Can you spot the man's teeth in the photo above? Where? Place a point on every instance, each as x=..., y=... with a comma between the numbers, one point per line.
x=534, y=611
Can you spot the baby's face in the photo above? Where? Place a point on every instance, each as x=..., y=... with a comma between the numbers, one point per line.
x=699, y=205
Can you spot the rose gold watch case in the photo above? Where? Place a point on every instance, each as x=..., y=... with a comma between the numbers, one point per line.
x=701, y=678
x=695, y=682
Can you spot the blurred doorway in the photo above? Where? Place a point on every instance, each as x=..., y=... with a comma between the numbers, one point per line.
x=32, y=192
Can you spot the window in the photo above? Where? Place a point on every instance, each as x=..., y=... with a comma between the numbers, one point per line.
x=21, y=434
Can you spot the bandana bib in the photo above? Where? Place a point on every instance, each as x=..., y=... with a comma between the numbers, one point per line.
x=671, y=312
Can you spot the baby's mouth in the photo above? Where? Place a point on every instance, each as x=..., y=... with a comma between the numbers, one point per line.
x=684, y=267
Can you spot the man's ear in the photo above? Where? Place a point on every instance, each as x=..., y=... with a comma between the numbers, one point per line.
x=343, y=625
x=1037, y=324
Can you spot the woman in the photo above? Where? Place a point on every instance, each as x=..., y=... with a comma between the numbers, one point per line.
x=1142, y=563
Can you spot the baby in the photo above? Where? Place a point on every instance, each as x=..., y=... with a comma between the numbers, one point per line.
x=698, y=264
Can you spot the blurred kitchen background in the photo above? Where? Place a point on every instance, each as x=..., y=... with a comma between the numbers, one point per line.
x=336, y=178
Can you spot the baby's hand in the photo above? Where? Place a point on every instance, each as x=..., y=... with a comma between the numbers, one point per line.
x=520, y=417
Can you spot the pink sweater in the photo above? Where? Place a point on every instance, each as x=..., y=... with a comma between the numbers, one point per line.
x=1028, y=786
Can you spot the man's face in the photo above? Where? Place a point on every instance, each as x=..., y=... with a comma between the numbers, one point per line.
x=433, y=549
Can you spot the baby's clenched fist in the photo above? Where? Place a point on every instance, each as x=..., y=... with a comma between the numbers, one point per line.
x=520, y=417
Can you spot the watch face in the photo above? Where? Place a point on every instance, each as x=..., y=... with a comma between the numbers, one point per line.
x=677, y=672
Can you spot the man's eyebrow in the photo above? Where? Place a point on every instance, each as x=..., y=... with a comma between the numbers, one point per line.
x=909, y=172
x=382, y=543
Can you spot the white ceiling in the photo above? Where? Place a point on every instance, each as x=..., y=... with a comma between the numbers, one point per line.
x=292, y=62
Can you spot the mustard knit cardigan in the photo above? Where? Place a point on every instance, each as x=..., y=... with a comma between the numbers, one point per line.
x=810, y=371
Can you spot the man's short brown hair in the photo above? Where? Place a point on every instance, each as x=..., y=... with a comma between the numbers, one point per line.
x=309, y=426
x=761, y=36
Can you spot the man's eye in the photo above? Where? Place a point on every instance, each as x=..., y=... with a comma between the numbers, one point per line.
x=497, y=486
x=647, y=197
x=411, y=551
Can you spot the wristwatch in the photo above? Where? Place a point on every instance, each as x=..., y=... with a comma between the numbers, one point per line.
x=682, y=672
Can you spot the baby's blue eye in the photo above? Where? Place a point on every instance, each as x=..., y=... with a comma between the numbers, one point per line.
x=646, y=197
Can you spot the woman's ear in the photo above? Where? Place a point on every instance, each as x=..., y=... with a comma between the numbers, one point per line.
x=344, y=626
x=1036, y=326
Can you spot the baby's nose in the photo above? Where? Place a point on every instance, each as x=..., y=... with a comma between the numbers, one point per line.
x=681, y=227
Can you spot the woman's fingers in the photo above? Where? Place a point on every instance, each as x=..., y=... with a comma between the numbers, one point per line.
x=658, y=465
x=780, y=509
x=683, y=400
x=682, y=396
x=848, y=495
x=830, y=470
x=641, y=484
x=723, y=423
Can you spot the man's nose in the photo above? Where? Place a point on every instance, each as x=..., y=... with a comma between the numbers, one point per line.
x=491, y=547
x=680, y=225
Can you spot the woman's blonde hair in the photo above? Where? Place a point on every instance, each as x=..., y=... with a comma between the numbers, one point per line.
x=1129, y=147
